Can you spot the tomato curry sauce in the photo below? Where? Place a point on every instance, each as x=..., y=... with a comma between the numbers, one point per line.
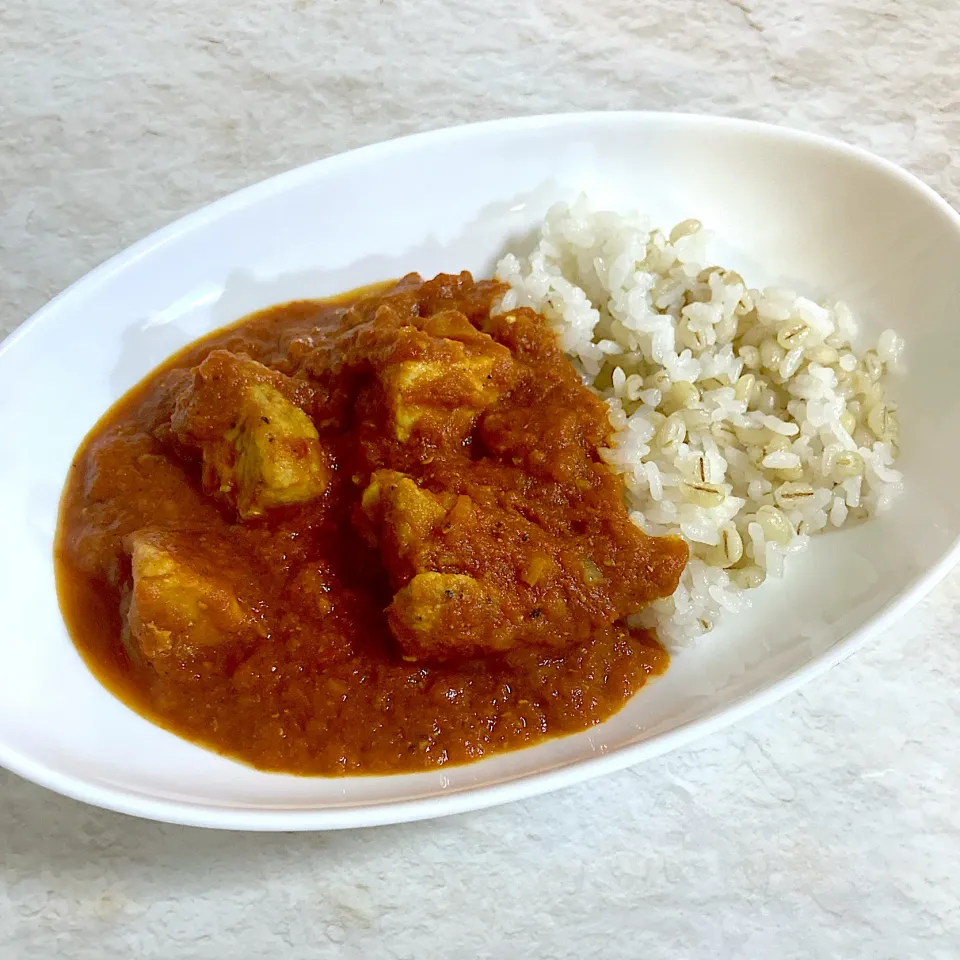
x=367, y=535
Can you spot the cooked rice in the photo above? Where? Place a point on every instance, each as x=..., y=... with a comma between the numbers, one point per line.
x=744, y=419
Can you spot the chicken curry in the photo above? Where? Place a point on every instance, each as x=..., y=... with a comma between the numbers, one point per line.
x=368, y=535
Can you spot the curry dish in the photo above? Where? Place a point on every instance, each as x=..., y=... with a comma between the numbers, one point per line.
x=368, y=535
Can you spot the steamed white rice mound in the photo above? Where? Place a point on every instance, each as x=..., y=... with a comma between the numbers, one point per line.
x=744, y=419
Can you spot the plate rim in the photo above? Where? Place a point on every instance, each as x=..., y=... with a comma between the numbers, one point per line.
x=300, y=818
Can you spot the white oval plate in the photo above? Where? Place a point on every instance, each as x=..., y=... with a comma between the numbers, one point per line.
x=790, y=208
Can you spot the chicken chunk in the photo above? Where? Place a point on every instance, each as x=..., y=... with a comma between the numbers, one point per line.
x=279, y=460
x=403, y=518
x=260, y=450
x=415, y=391
x=439, y=616
x=177, y=606
x=442, y=375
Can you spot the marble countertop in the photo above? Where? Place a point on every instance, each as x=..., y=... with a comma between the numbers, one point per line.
x=827, y=826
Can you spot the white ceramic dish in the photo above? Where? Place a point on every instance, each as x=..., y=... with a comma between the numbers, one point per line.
x=789, y=208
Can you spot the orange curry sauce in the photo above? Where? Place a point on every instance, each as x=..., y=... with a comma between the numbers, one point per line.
x=436, y=567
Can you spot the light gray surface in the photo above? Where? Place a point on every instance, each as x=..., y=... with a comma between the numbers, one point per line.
x=827, y=826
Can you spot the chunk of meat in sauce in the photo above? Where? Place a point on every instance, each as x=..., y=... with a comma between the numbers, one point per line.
x=442, y=616
x=442, y=375
x=433, y=371
x=399, y=518
x=259, y=449
x=185, y=596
